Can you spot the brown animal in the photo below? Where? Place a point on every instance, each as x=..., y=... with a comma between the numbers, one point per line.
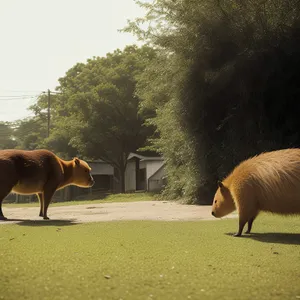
x=268, y=182
x=39, y=172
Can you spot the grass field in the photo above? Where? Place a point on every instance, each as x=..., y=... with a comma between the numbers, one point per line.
x=130, y=197
x=150, y=260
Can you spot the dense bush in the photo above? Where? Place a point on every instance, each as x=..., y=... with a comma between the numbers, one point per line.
x=228, y=89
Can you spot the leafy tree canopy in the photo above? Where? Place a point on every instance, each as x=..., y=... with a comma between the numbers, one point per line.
x=234, y=93
x=96, y=108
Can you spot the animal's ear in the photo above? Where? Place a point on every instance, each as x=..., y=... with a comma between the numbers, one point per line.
x=220, y=184
x=77, y=161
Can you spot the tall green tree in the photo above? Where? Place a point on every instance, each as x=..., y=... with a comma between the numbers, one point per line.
x=7, y=140
x=30, y=133
x=158, y=90
x=223, y=99
x=97, y=108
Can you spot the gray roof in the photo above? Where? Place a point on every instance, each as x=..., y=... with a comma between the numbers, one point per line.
x=130, y=156
x=144, y=158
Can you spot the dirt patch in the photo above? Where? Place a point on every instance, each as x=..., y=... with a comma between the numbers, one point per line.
x=121, y=211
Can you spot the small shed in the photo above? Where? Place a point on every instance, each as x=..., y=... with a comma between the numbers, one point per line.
x=144, y=173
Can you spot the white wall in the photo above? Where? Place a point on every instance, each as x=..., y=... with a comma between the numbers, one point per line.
x=156, y=182
x=152, y=167
x=130, y=177
x=101, y=169
x=143, y=164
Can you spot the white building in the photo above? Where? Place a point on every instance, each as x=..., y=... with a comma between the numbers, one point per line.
x=144, y=173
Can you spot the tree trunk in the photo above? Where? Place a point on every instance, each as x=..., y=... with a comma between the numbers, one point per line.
x=122, y=178
x=122, y=169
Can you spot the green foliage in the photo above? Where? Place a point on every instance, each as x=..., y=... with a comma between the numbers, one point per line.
x=228, y=65
x=95, y=112
x=30, y=133
x=159, y=87
x=7, y=140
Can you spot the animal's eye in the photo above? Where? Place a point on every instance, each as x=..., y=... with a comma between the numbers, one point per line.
x=215, y=201
x=85, y=171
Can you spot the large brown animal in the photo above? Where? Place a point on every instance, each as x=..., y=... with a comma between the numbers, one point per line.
x=268, y=182
x=39, y=172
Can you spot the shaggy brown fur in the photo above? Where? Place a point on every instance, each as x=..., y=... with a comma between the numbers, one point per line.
x=268, y=182
x=39, y=172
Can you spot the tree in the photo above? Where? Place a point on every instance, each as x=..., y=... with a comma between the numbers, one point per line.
x=238, y=62
x=97, y=109
x=7, y=140
x=30, y=133
x=158, y=90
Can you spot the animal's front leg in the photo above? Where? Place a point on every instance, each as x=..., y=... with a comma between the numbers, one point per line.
x=41, y=200
x=242, y=223
x=247, y=213
x=250, y=222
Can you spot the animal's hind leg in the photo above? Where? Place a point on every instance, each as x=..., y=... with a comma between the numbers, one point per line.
x=41, y=199
x=247, y=213
x=47, y=196
x=3, y=194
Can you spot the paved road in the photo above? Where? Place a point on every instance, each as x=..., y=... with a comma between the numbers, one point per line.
x=146, y=210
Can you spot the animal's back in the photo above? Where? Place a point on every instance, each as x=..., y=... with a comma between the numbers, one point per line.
x=270, y=180
x=28, y=170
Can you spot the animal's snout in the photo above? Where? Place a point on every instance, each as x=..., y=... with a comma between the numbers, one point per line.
x=213, y=213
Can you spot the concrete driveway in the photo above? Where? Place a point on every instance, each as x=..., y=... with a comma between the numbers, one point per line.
x=121, y=211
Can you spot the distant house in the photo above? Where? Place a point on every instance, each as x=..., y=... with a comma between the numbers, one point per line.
x=143, y=173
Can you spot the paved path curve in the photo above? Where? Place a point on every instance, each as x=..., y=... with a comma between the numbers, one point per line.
x=103, y=212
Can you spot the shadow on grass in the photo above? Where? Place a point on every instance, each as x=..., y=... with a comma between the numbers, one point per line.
x=24, y=222
x=276, y=238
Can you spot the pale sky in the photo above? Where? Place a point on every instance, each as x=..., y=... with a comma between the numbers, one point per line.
x=42, y=39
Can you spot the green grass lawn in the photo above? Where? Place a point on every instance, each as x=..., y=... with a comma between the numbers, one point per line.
x=150, y=260
x=130, y=197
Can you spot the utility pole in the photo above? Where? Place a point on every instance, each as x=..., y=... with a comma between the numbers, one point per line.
x=48, y=112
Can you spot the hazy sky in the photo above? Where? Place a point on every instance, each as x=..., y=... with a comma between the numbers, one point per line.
x=42, y=39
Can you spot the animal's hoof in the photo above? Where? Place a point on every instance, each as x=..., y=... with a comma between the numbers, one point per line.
x=2, y=218
x=237, y=234
x=247, y=232
x=45, y=218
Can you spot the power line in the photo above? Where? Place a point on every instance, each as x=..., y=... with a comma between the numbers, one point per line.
x=34, y=97
x=21, y=91
x=18, y=97
x=9, y=100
